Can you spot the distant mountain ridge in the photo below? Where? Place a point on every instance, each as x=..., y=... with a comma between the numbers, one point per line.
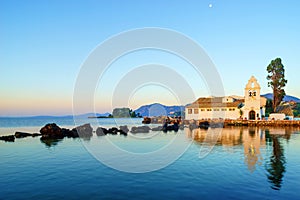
x=286, y=98
x=85, y=115
x=157, y=109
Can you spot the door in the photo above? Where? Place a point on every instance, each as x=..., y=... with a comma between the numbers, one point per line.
x=252, y=115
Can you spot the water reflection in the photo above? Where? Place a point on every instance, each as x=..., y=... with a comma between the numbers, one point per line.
x=253, y=140
x=50, y=142
x=276, y=166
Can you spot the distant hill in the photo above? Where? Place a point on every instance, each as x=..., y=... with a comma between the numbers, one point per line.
x=93, y=115
x=286, y=98
x=157, y=109
x=86, y=115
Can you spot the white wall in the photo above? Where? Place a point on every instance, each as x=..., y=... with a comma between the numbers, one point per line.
x=214, y=114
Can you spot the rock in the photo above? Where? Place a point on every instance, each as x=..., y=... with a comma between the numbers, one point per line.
x=173, y=127
x=204, y=125
x=100, y=131
x=181, y=127
x=84, y=130
x=69, y=133
x=159, y=128
x=124, y=130
x=193, y=126
x=8, y=138
x=140, y=129
x=22, y=134
x=51, y=131
x=146, y=120
x=36, y=134
x=113, y=131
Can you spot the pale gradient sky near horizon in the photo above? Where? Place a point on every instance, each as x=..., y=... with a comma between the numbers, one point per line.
x=44, y=43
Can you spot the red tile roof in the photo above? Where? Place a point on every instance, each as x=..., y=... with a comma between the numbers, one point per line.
x=214, y=102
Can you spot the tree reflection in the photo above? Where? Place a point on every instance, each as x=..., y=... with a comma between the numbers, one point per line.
x=276, y=166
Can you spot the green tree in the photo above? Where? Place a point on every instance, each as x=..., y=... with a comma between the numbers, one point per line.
x=269, y=107
x=132, y=114
x=276, y=81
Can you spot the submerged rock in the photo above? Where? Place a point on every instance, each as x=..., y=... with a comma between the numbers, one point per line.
x=8, y=138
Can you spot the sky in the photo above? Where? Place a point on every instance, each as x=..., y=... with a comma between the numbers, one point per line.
x=44, y=44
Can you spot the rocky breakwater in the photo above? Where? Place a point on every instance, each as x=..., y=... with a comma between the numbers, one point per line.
x=11, y=138
x=52, y=131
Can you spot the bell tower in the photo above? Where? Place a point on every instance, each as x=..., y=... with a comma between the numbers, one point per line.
x=252, y=99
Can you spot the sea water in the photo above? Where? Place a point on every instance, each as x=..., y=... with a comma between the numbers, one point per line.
x=242, y=163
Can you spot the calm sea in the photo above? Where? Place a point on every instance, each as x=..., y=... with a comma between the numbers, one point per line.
x=231, y=163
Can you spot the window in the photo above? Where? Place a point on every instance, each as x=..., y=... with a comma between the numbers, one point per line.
x=208, y=109
x=190, y=111
x=216, y=109
x=224, y=109
x=196, y=111
x=202, y=109
x=231, y=109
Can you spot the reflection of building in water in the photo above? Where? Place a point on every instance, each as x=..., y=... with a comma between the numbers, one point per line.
x=252, y=139
x=252, y=143
x=218, y=136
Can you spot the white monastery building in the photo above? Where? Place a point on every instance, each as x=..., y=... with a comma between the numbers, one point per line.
x=251, y=107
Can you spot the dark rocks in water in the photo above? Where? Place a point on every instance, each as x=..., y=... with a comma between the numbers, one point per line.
x=167, y=127
x=55, y=132
x=146, y=120
x=124, y=130
x=193, y=126
x=159, y=128
x=8, y=138
x=140, y=129
x=181, y=127
x=204, y=125
x=84, y=130
x=51, y=131
x=173, y=127
x=100, y=131
x=113, y=131
x=22, y=134
x=69, y=133
x=35, y=134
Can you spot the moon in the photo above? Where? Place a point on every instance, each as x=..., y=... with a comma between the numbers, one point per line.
x=210, y=5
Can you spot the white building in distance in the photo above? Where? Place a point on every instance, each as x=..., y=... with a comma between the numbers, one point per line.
x=251, y=107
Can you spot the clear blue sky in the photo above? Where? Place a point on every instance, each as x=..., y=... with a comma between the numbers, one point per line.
x=44, y=43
